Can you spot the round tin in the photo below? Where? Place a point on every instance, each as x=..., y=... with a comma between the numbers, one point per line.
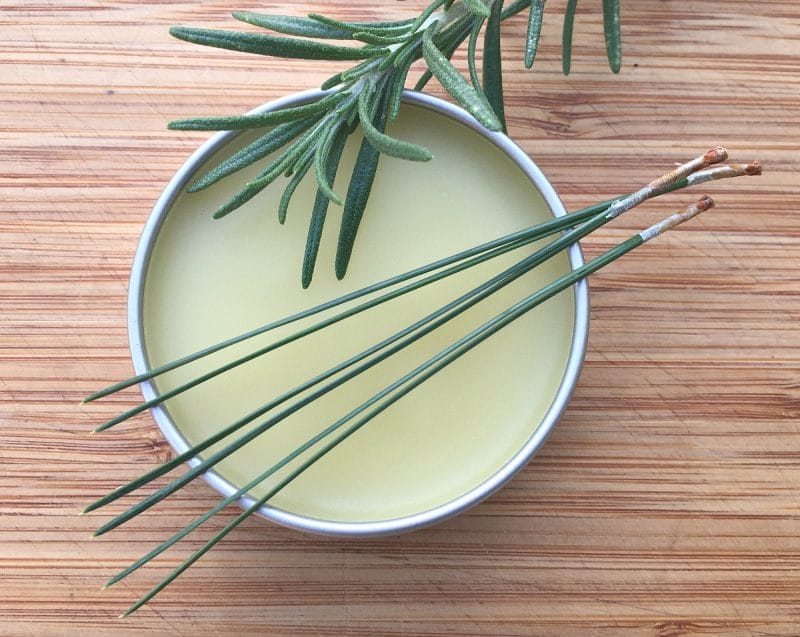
x=384, y=527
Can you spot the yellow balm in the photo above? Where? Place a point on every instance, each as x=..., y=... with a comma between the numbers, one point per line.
x=208, y=280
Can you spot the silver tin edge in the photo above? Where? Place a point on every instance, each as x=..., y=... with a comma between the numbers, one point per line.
x=383, y=527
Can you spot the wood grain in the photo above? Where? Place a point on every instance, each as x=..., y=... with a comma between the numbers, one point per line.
x=667, y=500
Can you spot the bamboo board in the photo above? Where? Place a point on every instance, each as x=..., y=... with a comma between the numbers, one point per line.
x=666, y=501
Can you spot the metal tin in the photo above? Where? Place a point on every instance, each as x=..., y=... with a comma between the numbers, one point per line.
x=384, y=527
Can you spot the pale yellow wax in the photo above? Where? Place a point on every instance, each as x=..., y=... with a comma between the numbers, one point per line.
x=209, y=280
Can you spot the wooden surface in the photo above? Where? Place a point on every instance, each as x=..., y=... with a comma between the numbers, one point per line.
x=667, y=501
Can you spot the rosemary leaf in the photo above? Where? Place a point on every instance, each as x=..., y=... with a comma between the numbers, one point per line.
x=270, y=174
x=379, y=38
x=344, y=26
x=515, y=7
x=423, y=80
x=260, y=148
x=408, y=52
x=448, y=39
x=332, y=81
x=396, y=91
x=306, y=156
x=612, y=34
x=269, y=45
x=455, y=84
x=300, y=171
x=320, y=209
x=386, y=25
x=478, y=7
x=472, y=44
x=385, y=144
x=358, y=191
x=566, y=36
x=352, y=118
x=242, y=197
x=290, y=25
x=448, y=47
x=259, y=120
x=358, y=70
x=322, y=157
x=534, y=30
x=493, y=65
x=448, y=52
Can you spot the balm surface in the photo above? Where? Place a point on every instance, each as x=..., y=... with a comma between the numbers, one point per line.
x=209, y=280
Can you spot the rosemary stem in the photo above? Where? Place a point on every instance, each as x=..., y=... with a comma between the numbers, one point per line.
x=419, y=375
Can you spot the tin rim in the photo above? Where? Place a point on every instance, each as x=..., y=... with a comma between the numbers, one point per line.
x=395, y=525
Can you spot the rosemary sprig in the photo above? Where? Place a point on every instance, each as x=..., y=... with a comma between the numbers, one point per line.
x=492, y=63
x=699, y=170
x=368, y=94
x=612, y=34
x=566, y=36
x=534, y=30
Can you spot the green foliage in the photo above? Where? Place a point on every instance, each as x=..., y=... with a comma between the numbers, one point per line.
x=534, y=29
x=566, y=37
x=612, y=34
x=270, y=45
x=493, y=65
x=310, y=134
x=385, y=144
x=473, y=100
